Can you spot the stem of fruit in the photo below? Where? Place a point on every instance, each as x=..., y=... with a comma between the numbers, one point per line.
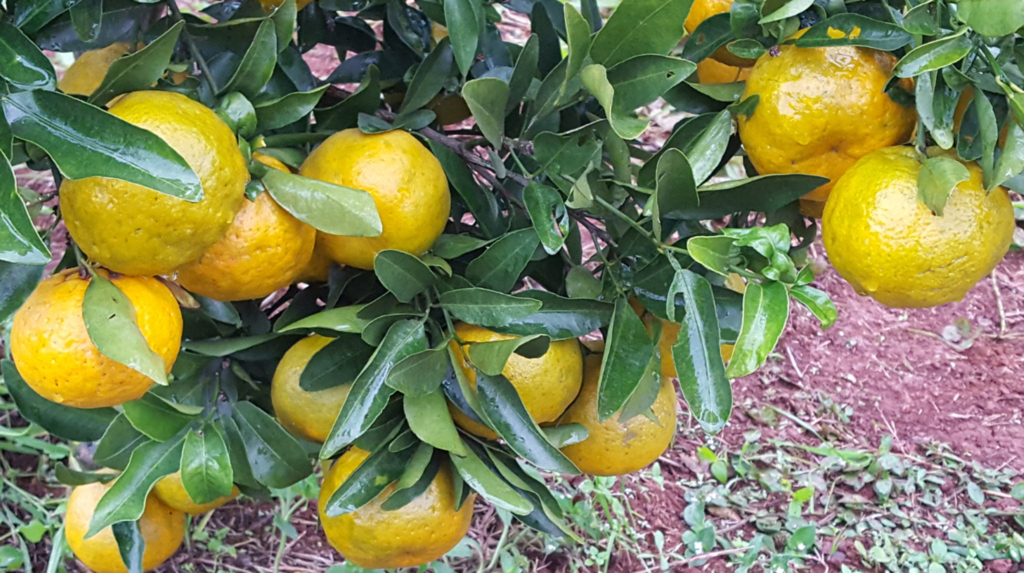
x=172, y=5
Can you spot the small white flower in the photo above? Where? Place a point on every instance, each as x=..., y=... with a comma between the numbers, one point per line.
x=801, y=546
x=698, y=547
x=780, y=570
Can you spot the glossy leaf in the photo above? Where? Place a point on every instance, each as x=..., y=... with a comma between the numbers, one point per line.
x=429, y=78
x=130, y=544
x=560, y=318
x=110, y=320
x=116, y=445
x=421, y=373
x=627, y=353
x=206, y=472
x=336, y=364
x=227, y=346
x=578, y=40
x=625, y=123
x=855, y=30
x=937, y=179
x=258, y=63
x=549, y=216
x=22, y=63
x=698, y=357
x=706, y=152
x=17, y=281
x=499, y=267
x=287, y=109
x=344, y=319
x=566, y=434
x=73, y=424
x=714, y=252
x=765, y=312
x=788, y=9
x=994, y=19
x=640, y=27
x=237, y=453
x=463, y=19
x=85, y=141
x=366, y=99
x=453, y=246
x=403, y=274
x=403, y=496
x=934, y=55
x=481, y=203
x=126, y=499
x=368, y=480
x=19, y=241
x=430, y=420
x=491, y=487
x=330, y=208
x=710, y=34
x=501, y=404
x=491, y=357
x=487, y=308
x=818, y=302
x=522, y=75
x=1011, y=161
x=676, y=189
x=487, y=98
x=140, y=70
x=72, y=477
x=763, y=193
x=155, y=418
x=566, y=154
x=275, y=456
x=369, y=394
x=87, y=18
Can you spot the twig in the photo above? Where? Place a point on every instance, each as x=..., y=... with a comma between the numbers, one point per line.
x=172, y=5
x=594, y=229
x=999, y=303
x=792, y=361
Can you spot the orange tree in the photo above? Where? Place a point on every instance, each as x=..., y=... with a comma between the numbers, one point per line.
x=200, y=149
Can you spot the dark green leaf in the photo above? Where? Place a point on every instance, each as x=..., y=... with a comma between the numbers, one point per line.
x=698, y=357
x=369, y=395
x=86, y=19
x=287, y=109
x=487, y=308
x=818, y=302
x=206, y=472
x=430, y=420
x=258, y=63
x=640, y=27
x=1010, y=164
x=368, y=480
x=765, y=312
x=628, y=351
x=706, y=152
x=366, y=99
x=426, y=475
x=416, y=467
x=937, y=179
x=237, y=453
x=647, y=390
x=275, y=456
x=763, y=193
x=491, y=487
x=566, y=434
x=17, y=282
x=676, y=189
x=140, y=70
x=110, y=320
x=481, y=203
x=490, y=357
x=130, y=544
x=1001, y=18
x=922, y=19
x=523, y=74
x=643, y=79
x=430, y=77
x=566, y=154
x=403, y=274
x=284, y=18
x=336, y=364
x=710, y=35
x=62, y=421
x=502, y=406
x=344, y=319
x=85, y=141
x=72, y=477
x=155, y=418
x=934, y=55
x=330, y=208
x=499, y=267
x=19, y=241
x=23, y=64
x=453, y=246
x=560, y=318
x=857, y=30
x=540, y=201
x=126, y=499
x=487, y=98
x=420, y=373
x=226, y=346
x=117, y=444
x=463, y=18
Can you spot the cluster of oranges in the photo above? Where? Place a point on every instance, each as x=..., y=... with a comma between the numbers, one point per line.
x=825, y=111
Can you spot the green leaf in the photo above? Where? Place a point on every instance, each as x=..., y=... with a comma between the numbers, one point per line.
x=110, y=320
x=487, y=98
x=369, y=395
x=417, y=466
x=764, y=193
x=287, y=109
x=1000, y=18
x=330, y=208
x=1011, y=161
x=676, y=189
x=697, y=354
x=87, y=19
x=788, y=9
x=65, y=422
x=403, y=274
x=238, y=454
x=816, y=301
x=85, y=141
x=140, y=70
x=453, y=246
x=344, y=319
x=643, y=79
x=19, y=241
x=491, y=487
x=155, y=418
x=540, y=201
x=368, y=480
x=714, y=252
x=487, y=308
x=856, y=30
x=566, y=154
x=580, y=282
x=429, y=78
x=625, y=123
x=22, y=63
x=560, y=318
x=227, y=346
x=117, y=443
x=403, y=496
x=710, y=35
x=366, y=99
x=640, y=27
x=707, y=150
x=628, y=351
x=421, y=373
x=463, y=19
x=934, y=55
x=578, y=39
x=502, y=406
x=126, y=499
x=430, y=420
x=937, y=179
x=765, y=312
x=206, y=472
x=490, y=357
x=257, y=65
x=275, y=456
x=523, y=74
x=482, y=204
x=499, y=267
x=130, y=544
x=72, y=477
x=284, y=17
x=647, y=390
x=566, y=434
x=336, y=364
